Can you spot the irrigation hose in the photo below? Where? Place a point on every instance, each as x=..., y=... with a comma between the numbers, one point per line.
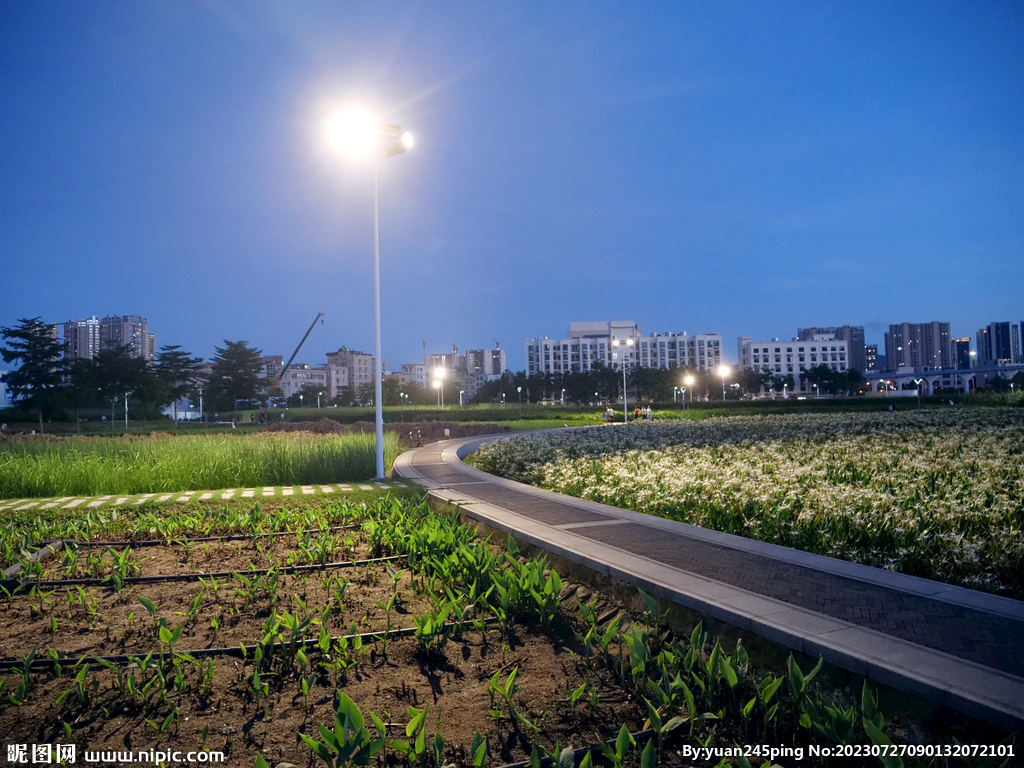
x=285, y=569
x=125, y=658
x=577, y=754
x=183, y=541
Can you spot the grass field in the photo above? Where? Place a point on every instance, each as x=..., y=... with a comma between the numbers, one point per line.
x=38, y=468
x=938, y=494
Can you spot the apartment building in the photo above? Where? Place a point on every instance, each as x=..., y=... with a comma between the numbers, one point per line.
x=853, y=335
x=82, y=338
x=999, y=342
x=918, y=346
x=960, y=353
x=360, y=365
x=791, y=358
x=130, y=331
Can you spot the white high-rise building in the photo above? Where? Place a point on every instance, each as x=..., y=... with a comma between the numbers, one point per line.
x=615, y=343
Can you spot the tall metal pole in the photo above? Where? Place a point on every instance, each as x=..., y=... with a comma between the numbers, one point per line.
x=625, y=406
x=378, y=374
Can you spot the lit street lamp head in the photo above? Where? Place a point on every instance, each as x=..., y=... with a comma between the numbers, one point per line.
x=357, y=134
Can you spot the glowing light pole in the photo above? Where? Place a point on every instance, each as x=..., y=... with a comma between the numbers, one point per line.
x=723, y=371
x=689, y=383
x=520, y=391
x=358, y=134
x=625, y=406
x=439, y=385
x=318, y=400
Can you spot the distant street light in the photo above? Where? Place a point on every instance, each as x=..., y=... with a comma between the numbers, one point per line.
x=358, y=134
x=723, y=371
x=683, y=391
x=520, y=391
x=439, y=385
x=817, y=392
x=689, y=383
x=300, y=401
x=563, y=397
x=625, y=405
x=918, y=382
x=318, y=400
x=460, y=397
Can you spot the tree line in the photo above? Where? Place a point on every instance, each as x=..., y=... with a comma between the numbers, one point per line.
x=658, y=385
x=49, y=385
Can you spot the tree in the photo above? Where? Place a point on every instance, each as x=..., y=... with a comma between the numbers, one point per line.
x=178, y=372
x=234, y=375
x=309, y=394
x=38, y=383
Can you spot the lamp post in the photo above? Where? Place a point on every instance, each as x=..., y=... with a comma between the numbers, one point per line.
x=460, y=397
x=689, y=383
x=402, y=397
x=625, y=405
x=918, y=382
x=520, y=391
x=723, y=371
x=318, y=400
x=300, y=401
x=682, y=391
x=502, y=399
x=439, y=385
x=563, y=397
x=817, y=392
x=359, y=134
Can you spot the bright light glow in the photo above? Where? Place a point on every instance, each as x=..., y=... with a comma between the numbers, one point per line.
x=689, y=380
x=406, y=139
x=437, y=383
x=353, y=132
x=723, y=371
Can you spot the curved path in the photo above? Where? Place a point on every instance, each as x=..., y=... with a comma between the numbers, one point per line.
x=949, y=645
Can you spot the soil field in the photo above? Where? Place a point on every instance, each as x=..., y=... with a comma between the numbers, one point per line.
x=456, y=651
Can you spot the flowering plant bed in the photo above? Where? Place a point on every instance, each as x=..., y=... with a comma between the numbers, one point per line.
x=938, y=494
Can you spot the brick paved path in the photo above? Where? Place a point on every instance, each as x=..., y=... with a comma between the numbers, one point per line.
x=975, y=635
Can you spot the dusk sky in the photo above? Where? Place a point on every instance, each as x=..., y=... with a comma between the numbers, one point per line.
x=731, y=167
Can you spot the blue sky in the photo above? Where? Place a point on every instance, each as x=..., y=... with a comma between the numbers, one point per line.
x=724, y=167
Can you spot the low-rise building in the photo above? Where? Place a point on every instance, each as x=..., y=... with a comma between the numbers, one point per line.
x=618, y=343
x=792, y=358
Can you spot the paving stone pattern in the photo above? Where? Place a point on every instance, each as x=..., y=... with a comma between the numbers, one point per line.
x=984, y=638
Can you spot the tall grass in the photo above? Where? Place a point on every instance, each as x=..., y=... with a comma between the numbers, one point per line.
x=90, y=466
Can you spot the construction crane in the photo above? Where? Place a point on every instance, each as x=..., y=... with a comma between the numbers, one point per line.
x=284, y=370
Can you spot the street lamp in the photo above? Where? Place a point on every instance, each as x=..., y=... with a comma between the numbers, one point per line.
x=689, y=383
x=460, y=397
x=318, y=400
x=817, y=392
x=723, y=371
x=625, y=406
x=439, y=385
x=520, y=391
x=918, y=382
x=358, y=134
x=502, y=399
x=300, y=401
x=563, y=397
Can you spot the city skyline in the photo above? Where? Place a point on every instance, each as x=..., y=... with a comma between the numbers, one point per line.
x=711, y=168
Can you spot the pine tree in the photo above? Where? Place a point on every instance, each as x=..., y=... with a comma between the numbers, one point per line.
x=38, y=382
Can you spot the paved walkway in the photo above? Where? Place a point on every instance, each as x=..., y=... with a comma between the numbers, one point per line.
x=950, y=645
x=223, y=494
